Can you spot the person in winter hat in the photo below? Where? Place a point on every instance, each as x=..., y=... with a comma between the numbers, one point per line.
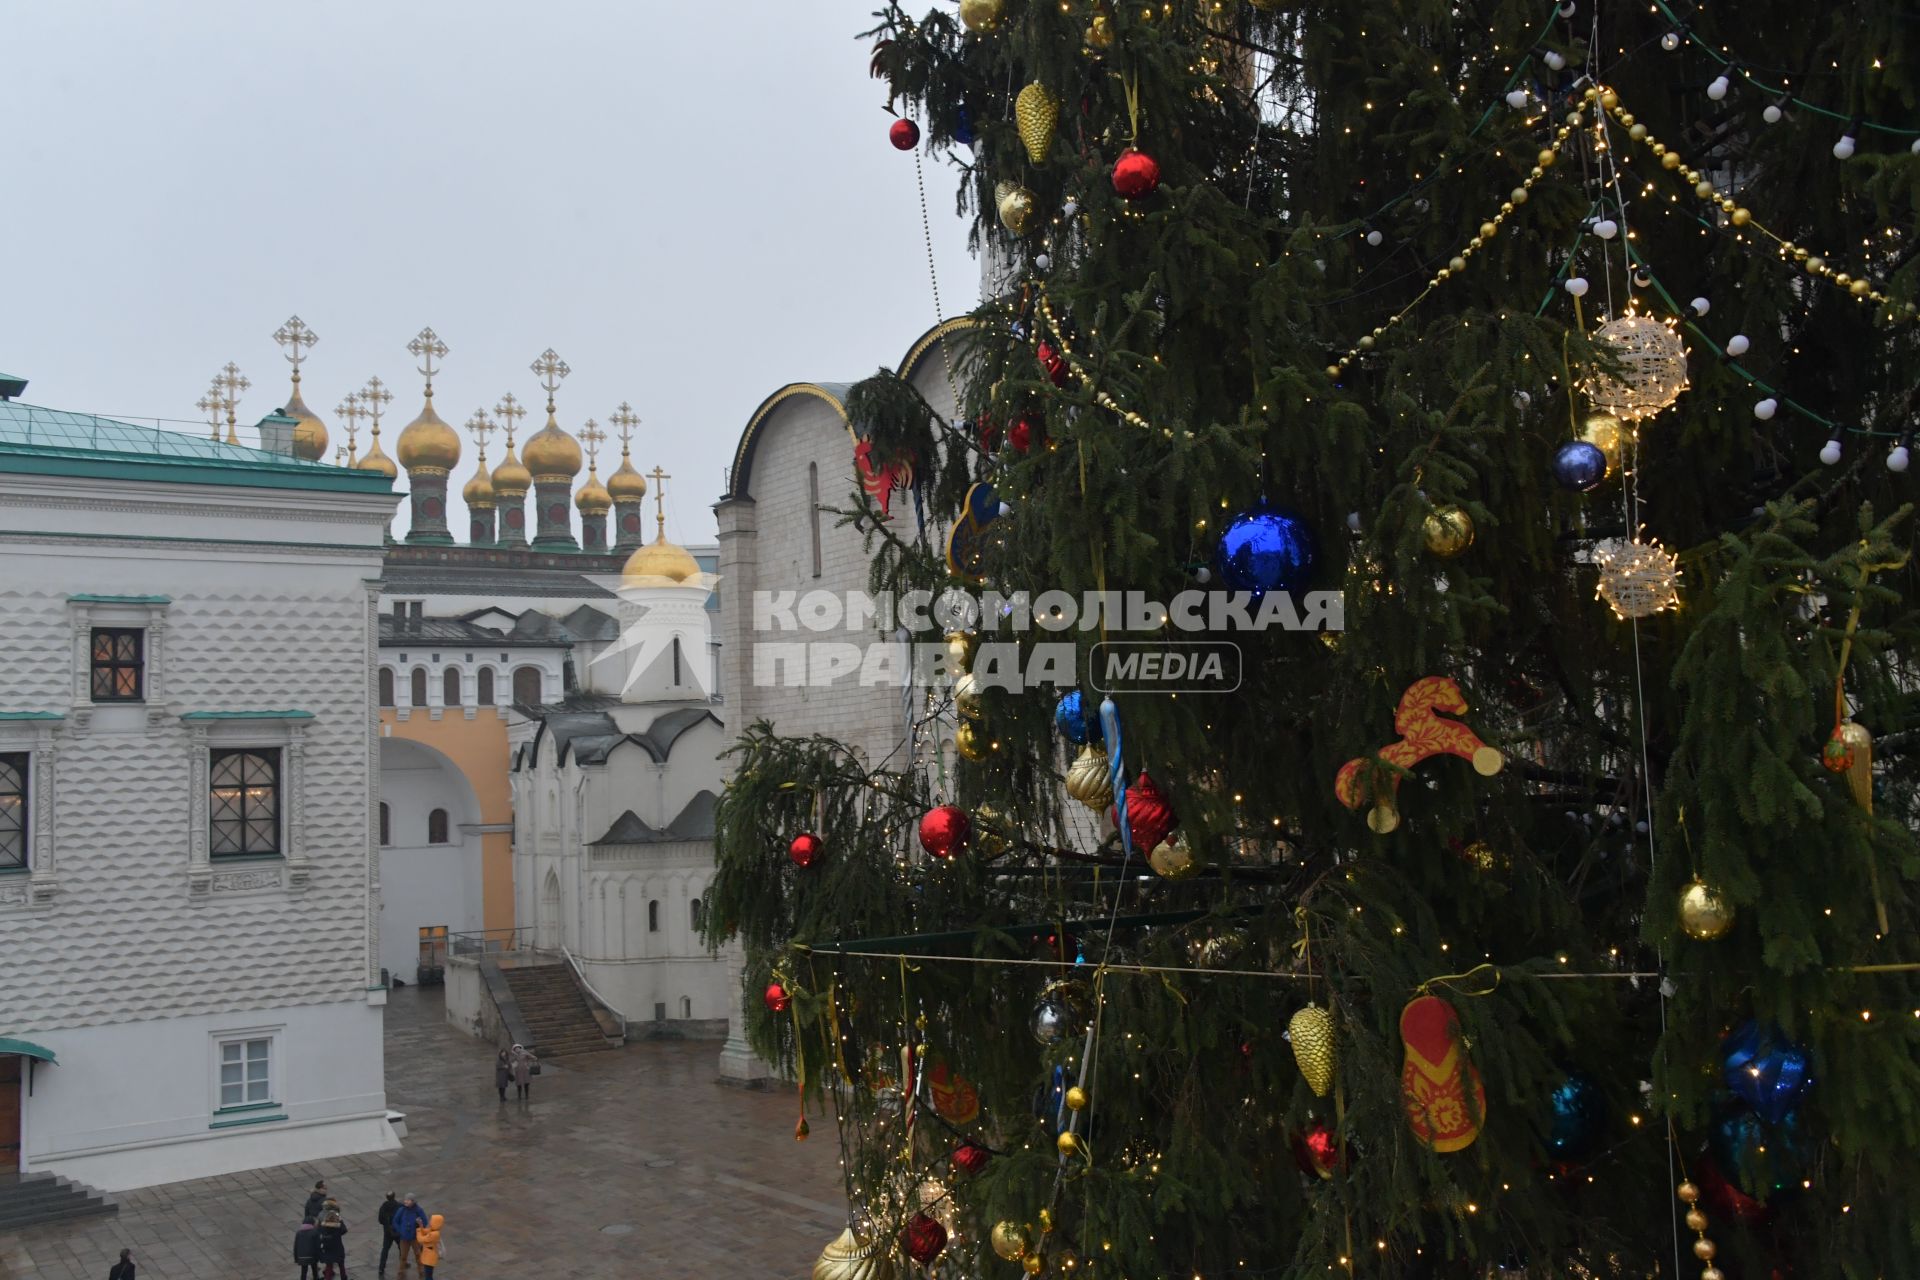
x=306, y=1250
x=333, y=1243
x=429, y=1238
x=407, y=1221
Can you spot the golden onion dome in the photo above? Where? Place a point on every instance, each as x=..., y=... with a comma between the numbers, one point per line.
x=429, y=442
x=511, y=479
x=310, y=435
x=552, y=454
x=626, y=484
x=375, y=460
x=479, y=489
x=659, y=563
x=593, y=498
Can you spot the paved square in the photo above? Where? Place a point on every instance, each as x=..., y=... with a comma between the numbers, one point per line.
x=629, y=1163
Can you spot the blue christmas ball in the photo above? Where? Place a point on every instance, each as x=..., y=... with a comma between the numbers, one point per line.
x=1070, y=718
x=963, y=125
x=1266, y=549
x=1579, y=465
x=1577, y=1117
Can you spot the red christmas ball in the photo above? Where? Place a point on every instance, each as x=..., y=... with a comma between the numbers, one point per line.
x=1149, y=816
x=805, y=849
x=1020, y=435
x=969, y=1157
x=944, y=831
x=904, y=135
x=989, y=434
x=1053, y=362
x=923, y=1239
x=777, y=998
x=1316, y=1151
x=1135, y=174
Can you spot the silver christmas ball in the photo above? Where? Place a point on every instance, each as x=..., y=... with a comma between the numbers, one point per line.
x=1052, y=1021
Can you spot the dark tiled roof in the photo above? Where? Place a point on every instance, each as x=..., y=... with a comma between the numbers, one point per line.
x=464, y=580
x=589, y=623
x=666, y=730
x=694, y=823
x=396, y=633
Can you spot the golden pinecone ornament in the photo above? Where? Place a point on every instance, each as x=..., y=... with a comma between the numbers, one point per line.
x=1311, y=1031
x=847, y=1259
x=1036, y=111
x=1017, y=205
x=1090, y=778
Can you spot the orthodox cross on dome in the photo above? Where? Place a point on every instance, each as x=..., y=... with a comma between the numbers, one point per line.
x=591, y=435
x=550, y=369
x=509, y=411
x=297, y=339
x=427, y=347
x=624, y=420
x=229, y=383
x=209, y=404
x=660, y=501
x=480, y=426
x=350, y=411
x=376, y=398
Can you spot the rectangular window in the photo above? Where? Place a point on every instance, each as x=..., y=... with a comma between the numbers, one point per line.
x=246, y=1073
x=118, y=659
x=14, y=772
x=245, y=809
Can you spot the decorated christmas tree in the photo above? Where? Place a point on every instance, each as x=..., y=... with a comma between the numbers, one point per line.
x=1551, y=915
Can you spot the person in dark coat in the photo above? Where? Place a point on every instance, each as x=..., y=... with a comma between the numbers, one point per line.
x=333, y=1242
x=523, y=1063
x=407, y=1221
x=388, y=1207
x=123, y=1269
x=306, y=1250
x=316, y=1201
x=502, y=1074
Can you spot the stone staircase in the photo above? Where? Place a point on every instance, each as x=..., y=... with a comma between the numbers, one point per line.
x=555, y=1011
x=28, y=1199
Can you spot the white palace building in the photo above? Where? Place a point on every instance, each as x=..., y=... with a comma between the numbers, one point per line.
x=188, y=760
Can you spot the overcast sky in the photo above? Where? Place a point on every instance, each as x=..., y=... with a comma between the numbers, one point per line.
x=692, y=204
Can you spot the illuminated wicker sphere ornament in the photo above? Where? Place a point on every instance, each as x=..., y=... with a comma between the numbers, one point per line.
x=1638, y=579
x=1652, y=368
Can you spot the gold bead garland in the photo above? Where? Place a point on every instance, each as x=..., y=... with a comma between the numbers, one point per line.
x=1703, y=1248
x=1080, y=375
x=1816, y=265
x=1458, y=262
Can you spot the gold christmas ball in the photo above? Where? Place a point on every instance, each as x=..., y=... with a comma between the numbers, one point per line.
x=1604, y=432
x=1447, y=531
x=1311, y=1031
x=1609, y=99
x=987, y=841
x=982, y=15
x=1089, y=779
x=1033, y=1264
x=1100, y=32
x=1704, y=914
x=1016, y=206
x=1173, y=859
x=967, y=740
x=1068, y=1143
x=1741, y=217
x=966, y=696
x=1545, y=158
x=847, y=1259
x=1482, y=856
x=960, y=646
x=1009, y=1239
x=1076, y=1099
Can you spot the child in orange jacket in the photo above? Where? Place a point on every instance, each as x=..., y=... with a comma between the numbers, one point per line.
x=428, y=1238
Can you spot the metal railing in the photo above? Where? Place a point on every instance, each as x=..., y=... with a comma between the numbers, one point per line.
x=486, y=942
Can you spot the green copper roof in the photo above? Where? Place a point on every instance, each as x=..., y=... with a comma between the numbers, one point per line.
x=58, y=442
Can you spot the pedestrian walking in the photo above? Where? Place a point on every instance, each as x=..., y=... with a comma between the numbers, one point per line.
x=306, y=1250
x=502, y=1074
x=316, y=1201
x=388, y=1207
x=407, y=1221
x=123, y=1269
x=524, y=1067
x=430, y=1245
x=331, y=1206
x=333, y=1242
